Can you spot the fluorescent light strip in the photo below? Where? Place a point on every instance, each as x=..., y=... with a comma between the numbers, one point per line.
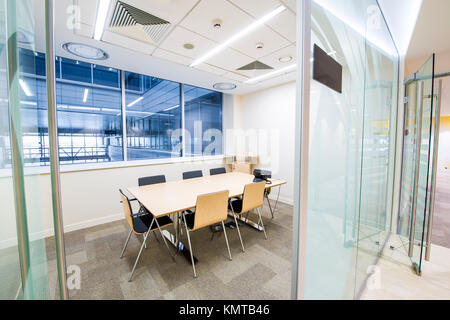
x=86, y=92
x=25, y=88
x=171, y=108
x=102, y=13
x=135, y=101
x=238, y=35
x=271, y=74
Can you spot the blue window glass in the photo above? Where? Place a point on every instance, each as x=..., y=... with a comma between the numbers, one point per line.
x=153, y=117
x=203, y=121
x=106, y=76
x=76, y=70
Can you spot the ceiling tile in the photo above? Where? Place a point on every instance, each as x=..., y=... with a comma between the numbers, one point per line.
x=126, y=42
x=211, y=69
x=170, y=10
x=257, y=8
x=285, y=24
x=201, y=19
x=291, y=4
x=235, y=77
x=170, y=56
x=271, y=40
x=179, y=36
x=229, y=59
x=133, y=32
x=88, y=11
x=84, y=30
x=273, y=59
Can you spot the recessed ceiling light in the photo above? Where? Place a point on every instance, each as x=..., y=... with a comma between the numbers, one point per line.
x=285, y=59
x=100, y=21
x=239, y=35
x=188, y=46
x=259, y=45
x=224, y=86
x=217, y=23
x=85, y=51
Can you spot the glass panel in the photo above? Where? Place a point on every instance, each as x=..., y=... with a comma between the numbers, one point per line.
x=203, y=121
x=348, y=217
x=10, y=279
x=153, y=117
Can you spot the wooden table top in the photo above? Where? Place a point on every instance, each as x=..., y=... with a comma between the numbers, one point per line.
x=175, y=196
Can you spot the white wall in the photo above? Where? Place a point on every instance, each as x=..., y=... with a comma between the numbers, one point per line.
x=270, y=116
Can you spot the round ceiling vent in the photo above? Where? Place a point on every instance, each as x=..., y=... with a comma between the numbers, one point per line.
x=188, y=46
x=224, y=86
x=85, y=51
x=285, y=59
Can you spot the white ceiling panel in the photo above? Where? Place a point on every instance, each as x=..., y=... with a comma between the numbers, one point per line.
x=230, y=59
x=285, y=24
x=211, y=69
x=170, y=10
x=273, y=59
x=179, y=36
x=133, y=32
x=271, y=40
x=257, y=8
x=84, y=30
x=164, y=54
x=201, y=19
x=291, y=4
x=127, y=42
x=235, y=77
x=88, y=11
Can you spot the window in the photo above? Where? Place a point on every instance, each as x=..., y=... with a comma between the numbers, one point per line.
x=90, y=119
x=203, y=121
x=153, y=109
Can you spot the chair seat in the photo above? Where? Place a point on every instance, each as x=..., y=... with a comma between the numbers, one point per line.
x=236, y=205
x=142, y=223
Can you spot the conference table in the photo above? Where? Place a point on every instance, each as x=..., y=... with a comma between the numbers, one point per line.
x=175, y=197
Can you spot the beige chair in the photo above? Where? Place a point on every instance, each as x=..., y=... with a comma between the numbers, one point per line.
x=253, y=198
x=142, y=223
x=210, y=209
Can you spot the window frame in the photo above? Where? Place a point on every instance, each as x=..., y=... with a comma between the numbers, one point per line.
x=44, y=168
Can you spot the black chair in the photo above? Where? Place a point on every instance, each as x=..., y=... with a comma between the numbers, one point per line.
x=145, y=181
x=192, y=174
x=142, y=223
x=216, y=171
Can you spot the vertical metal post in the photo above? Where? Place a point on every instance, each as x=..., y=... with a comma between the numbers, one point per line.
x=16, y=148
x=301, y=148
x=437, y=123
x=54, y=156
x=183, y=125
x=124, y=117
x=417, y=168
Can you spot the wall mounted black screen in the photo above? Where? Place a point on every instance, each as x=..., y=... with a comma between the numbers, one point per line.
x=326, y=70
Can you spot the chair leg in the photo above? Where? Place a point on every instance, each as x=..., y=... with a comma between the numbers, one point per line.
x=164, y=239
x=139, y=255
x=140, y=251
x=126, y=244
x=239, y=231
x=226, y=240
x=190, y=246
x=262, y=223
x=145, y=244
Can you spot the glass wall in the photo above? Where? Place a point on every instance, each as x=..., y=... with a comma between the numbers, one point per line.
x=90, y=126
x=153, y=117
x=203, y=114
x=349, y=166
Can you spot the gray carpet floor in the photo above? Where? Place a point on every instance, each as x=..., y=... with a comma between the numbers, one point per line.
x=263, y=271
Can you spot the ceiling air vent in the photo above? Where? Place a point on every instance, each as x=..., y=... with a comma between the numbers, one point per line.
x=255, y=65
x=129, y=17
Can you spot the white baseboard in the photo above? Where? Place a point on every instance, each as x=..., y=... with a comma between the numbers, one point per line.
x=4, y=244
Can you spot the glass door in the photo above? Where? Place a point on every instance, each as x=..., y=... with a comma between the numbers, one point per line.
x=419, y=100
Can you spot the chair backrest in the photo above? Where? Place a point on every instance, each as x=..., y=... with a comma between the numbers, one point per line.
x=210, y=209
x=145, y=181
x=192, y=174
x=127, y=208
x=215, y=171
x=253, y=196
